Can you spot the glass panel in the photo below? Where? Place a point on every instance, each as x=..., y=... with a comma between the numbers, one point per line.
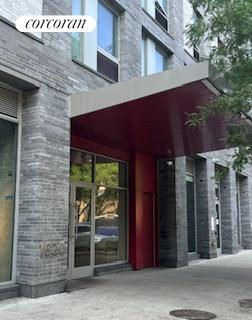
x=191, y=217
x=83, y=203
x=143, y=59
x=107, y=29
x=81, y=166
x=110, y=172
x=217, y=191
x=163, y=5
x=77, y=38
x=217, y=208
x=238, y=209
x=8, y=138
x=160, y=61
x=189, y=178
x=110, y=225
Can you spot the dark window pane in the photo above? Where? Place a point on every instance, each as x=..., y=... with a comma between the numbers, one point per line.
x=81, y=166
x=107, y=67
x=161, y=19
x=196, y=54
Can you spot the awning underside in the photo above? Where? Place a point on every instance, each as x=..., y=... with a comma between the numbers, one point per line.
x=155, y=125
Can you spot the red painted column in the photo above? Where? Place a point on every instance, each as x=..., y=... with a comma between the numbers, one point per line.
x=142, y=211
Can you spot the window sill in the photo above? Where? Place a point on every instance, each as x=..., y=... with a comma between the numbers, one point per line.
x=158, y=24
x=92, y=70
x=11, y=24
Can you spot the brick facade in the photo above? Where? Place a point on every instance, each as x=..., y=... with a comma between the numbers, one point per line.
x=44, y=172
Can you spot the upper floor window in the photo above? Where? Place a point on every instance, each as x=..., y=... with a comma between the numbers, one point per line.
x=97, y=49
x=160, y=60
x=154, y=58
x=107, y=43
x=77, y=37
x=161, y=13
x=107, y=29
x=159, y=10
x=190, y=16
x=163, y=5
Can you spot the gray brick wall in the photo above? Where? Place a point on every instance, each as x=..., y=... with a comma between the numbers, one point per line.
x=205, y=204
x=229, y=213
x=44, y=184
x=246, y=209
x=44, y=175
x=172, y=213
x=11, y=9
x=229, y=204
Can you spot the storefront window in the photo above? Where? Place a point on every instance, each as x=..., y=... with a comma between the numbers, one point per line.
x=8, y=150
x=111, y=211
x=109, y=179
x=110, y=172
x=81, y=166
x=110, y=225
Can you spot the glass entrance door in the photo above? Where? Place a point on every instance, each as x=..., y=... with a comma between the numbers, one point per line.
x=81, y=248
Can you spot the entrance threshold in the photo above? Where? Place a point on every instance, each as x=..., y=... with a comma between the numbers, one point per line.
x=99, y=271
x=87, y=282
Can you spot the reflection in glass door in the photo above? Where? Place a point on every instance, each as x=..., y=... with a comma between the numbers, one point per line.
x=81, y=230
x=218, y=215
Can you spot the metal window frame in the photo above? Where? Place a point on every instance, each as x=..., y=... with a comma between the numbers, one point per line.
x=116, y=58
x=17, y=121
x=126, y=189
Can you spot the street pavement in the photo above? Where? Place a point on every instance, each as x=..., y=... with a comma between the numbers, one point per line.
x=211, y=285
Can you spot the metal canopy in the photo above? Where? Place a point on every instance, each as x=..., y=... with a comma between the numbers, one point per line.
x=147, y=115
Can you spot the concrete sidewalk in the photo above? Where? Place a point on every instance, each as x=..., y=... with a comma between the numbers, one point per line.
x=211, y=285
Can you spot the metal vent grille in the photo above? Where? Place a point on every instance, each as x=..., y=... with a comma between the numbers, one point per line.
x=8, y=103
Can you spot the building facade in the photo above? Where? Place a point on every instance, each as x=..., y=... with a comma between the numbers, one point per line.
x=81, y=193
